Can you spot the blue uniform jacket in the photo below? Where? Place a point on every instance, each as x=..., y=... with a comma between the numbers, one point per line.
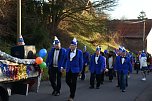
x=116, y=68
x=125, y=67
x=97, y=68
x=76, y=65
x=86, y=57
x=49, y=60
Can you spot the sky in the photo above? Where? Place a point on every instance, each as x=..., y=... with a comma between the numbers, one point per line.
x=130, y=9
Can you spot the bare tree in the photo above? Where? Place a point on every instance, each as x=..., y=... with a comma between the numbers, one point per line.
x=8, y=18
x=55, y=11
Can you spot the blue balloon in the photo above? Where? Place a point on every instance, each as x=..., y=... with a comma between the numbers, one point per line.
x=42, y=53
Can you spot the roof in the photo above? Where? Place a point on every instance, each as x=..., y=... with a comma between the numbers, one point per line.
x=133, y=28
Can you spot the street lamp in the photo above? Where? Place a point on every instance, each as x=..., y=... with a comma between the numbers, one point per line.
x=18, y=19
x=144, y=25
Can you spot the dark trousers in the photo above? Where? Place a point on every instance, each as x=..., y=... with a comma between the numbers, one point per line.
x=118, y=78
x=110, y=74
x=55, y=75
x=93, y=77
x=123, y=80
x=83, y=73
x=71, y=80
x=102, y=77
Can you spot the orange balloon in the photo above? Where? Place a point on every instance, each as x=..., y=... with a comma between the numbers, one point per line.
x=39, y=60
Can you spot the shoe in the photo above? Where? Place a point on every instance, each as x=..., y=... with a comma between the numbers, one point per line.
x=54, y=92
x=82, y=79
x=123, y=90
x=110, y=80
x=143, y=79
x=57, y=93
x=91, y=87
x=117, y=86
x=97, y=88
x=70, y=99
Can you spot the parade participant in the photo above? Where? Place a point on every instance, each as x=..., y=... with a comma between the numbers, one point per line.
x=105, y=65
x=150, y=66
x=73, y=64
x=86, y=57
x=143, y=65
x=137, y=65
x=132, y=60
x=148, y=62
x=111, y=58
x=96, y=67
x=123, y=66
x=54, y=61
x=118, y=54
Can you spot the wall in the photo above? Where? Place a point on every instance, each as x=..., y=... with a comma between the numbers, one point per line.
x=133, y=44
x=149, y=42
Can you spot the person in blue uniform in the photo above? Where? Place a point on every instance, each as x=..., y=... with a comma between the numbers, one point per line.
x=105, y=66
x=123, y=66
x=118, y=55
x=73, y=64
x=86, y=57
x=54, y=61
x=96, y=67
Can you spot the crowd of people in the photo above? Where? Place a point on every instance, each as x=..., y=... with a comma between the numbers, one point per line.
x=118, y=63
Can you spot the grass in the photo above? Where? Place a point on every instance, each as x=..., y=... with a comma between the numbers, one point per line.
x=45, y=74
x=5, y=47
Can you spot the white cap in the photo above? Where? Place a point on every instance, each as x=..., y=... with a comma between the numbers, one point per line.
x=20, y=41
x=74, y=41
x=56, y=40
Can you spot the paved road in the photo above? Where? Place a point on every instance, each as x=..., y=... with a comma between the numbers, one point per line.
x=137, y=91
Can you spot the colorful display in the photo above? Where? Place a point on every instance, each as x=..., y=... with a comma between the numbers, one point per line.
x=13, y=68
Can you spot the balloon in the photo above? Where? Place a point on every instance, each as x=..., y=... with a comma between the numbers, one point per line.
x=42, y=53
x=43, y=65
x=39, y=60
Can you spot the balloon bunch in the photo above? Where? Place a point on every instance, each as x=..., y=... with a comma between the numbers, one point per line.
x=39, y=60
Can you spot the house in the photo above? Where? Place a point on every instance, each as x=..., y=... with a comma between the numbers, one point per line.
x=133, y=33
x=149, y=42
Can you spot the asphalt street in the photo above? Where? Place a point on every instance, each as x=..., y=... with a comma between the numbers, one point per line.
x=137, y=91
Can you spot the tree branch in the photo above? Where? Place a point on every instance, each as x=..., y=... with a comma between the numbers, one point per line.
x=1, y=12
